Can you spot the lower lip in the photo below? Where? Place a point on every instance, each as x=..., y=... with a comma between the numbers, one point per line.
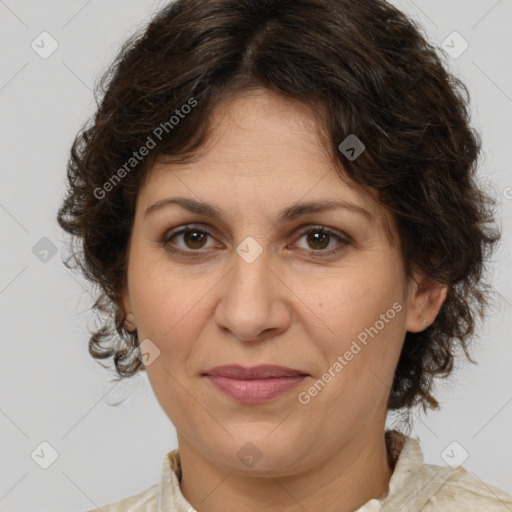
x=255, y=391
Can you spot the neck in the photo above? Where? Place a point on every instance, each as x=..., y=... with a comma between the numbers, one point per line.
x=356, y=473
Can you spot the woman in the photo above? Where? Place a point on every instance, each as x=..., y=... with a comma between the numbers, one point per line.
x=278, y=201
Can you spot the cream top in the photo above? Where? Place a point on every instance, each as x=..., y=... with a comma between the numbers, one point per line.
x=414, y=486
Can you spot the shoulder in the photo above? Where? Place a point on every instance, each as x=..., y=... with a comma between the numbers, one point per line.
x=462, y=490
x=162, y=497
x=142, y=502
x=416, y=486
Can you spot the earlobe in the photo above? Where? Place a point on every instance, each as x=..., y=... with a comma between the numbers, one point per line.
x=130, y=321
x=425, y=300
x=130, y=324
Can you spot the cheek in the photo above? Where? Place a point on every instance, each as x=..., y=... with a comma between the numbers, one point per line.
x=166, y=304
x=347, y=303
x=364, y=312
x=170, y=313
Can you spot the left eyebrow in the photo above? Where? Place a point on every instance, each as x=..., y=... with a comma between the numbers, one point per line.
x=300, y=209
x=287, y=214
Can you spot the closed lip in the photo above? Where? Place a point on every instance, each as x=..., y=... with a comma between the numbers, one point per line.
x=264, y=371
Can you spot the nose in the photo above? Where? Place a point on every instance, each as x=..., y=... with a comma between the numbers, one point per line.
x=254, y=302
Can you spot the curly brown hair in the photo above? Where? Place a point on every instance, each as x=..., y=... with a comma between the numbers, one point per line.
x=372, y=73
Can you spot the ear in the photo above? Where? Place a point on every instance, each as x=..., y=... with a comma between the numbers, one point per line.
x=130, y=322
x=424, y=302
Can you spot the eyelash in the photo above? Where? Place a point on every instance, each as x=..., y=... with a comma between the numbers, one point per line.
x=344, y=241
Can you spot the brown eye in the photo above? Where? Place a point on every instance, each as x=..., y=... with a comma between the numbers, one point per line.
x=194, y=239
x=319, y=239
x=187, y=240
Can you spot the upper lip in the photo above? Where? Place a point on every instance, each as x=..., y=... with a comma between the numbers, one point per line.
x=264, y=371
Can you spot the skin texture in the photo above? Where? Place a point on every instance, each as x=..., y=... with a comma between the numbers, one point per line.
x=287, y=307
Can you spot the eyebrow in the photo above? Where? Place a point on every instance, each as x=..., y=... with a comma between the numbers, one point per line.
x=287, y=214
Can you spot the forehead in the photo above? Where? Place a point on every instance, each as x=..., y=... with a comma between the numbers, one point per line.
x=266, y=146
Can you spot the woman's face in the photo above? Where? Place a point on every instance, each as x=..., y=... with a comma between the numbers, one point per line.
x=251, y=287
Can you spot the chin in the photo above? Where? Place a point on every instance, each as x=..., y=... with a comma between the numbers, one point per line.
x=258, y=453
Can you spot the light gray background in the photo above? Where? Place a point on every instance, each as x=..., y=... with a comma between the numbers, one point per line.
x=50, y=388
